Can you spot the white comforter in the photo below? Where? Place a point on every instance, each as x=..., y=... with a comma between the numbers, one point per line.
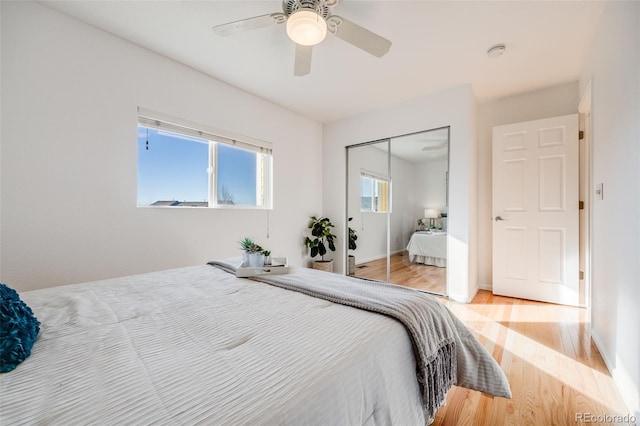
x=428, y=247
x=199, y=345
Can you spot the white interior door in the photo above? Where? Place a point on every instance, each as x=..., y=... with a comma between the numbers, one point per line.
x=535, y=210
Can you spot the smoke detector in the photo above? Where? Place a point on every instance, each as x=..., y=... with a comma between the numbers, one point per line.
x=497, y=50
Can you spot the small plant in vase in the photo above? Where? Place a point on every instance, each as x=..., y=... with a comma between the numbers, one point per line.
x=267, y=257
x=253, y=254
x=321, y=240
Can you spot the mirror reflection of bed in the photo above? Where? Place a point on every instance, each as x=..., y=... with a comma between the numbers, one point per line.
x=397, y=191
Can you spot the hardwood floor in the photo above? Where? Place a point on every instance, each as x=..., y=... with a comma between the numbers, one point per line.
x=405, y=273
x=554, y=369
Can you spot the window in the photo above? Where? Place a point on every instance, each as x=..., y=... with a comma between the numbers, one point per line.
x=374, y=193
x=179, y=166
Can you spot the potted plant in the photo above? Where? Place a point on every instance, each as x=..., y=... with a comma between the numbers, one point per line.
x=321, y=240
x=353, y=236
x=267, y=257
x=253, y=254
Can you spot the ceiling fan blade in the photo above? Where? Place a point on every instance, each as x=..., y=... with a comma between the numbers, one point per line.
x=236, y=27
x=358, y=36
x=302, y=64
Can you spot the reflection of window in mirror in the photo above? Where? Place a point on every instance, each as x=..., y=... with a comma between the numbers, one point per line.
x=374, y=193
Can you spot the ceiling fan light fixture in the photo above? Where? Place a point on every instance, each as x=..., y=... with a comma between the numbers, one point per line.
x=306, y=27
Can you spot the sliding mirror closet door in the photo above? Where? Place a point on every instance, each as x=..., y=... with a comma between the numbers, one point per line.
x=418, y=220
x=368, y=206
x=397, y=199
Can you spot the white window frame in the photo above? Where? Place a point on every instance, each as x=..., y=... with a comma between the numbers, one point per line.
x=264, y=172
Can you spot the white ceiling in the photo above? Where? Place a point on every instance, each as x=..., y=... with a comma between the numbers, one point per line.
x=436, y=45
x=418, y=148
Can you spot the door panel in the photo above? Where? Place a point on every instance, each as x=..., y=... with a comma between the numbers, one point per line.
x=535, y=208
x=368, y=196
x=514, y=178
x=551, y=266
x=515, y=253
x=552, y=186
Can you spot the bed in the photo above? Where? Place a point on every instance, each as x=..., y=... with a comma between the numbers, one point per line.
x=199, y=345
x=428, y=247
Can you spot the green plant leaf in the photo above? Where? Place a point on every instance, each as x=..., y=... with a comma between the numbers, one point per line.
x=246, y=243
x=321, y=228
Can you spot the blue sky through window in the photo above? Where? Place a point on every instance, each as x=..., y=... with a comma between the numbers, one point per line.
x=237, y=174
x=174, y=168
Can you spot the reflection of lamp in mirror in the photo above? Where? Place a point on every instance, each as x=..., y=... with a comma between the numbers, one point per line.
x=431, y=214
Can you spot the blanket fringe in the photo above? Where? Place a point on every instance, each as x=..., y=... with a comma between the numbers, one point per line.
x=436, y=378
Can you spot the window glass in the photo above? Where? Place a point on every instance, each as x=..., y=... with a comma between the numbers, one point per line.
x=237, y=170
x=172, y=169
x=374, y=194
x=178, y=170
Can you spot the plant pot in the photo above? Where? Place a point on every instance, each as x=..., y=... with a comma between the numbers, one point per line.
x=256, y=259
x=323, y=265
x=351, y=267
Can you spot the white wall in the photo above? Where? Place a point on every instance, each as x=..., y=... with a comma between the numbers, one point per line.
x=550, y=102
x=402, y=220
x=453, y=107
x=431, y=186
x=68, y=171
x=614, y=72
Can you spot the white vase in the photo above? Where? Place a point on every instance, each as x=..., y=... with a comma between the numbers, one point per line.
x=256, y=260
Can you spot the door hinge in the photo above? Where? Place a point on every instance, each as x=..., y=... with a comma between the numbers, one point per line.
x=580, y=205
x=581, y=134
x=582, y=275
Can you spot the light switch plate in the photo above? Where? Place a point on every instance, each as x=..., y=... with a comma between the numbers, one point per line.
x=600, y=191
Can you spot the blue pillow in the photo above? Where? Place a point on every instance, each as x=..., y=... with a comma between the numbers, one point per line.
x=18, y=329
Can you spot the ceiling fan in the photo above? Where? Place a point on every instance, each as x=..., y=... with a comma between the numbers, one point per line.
x=307, y=24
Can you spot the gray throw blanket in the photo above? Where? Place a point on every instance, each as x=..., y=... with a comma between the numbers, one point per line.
x=446, y=353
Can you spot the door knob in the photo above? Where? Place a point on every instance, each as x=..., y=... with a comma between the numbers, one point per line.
x=499, y=218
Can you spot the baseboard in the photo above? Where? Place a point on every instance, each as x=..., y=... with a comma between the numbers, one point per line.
x=621, y=378
x=485, y=286
x=463, y=298
x=360, y=261
x=371, y=259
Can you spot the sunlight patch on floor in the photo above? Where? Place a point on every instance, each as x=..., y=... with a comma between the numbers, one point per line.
x=587, y=377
